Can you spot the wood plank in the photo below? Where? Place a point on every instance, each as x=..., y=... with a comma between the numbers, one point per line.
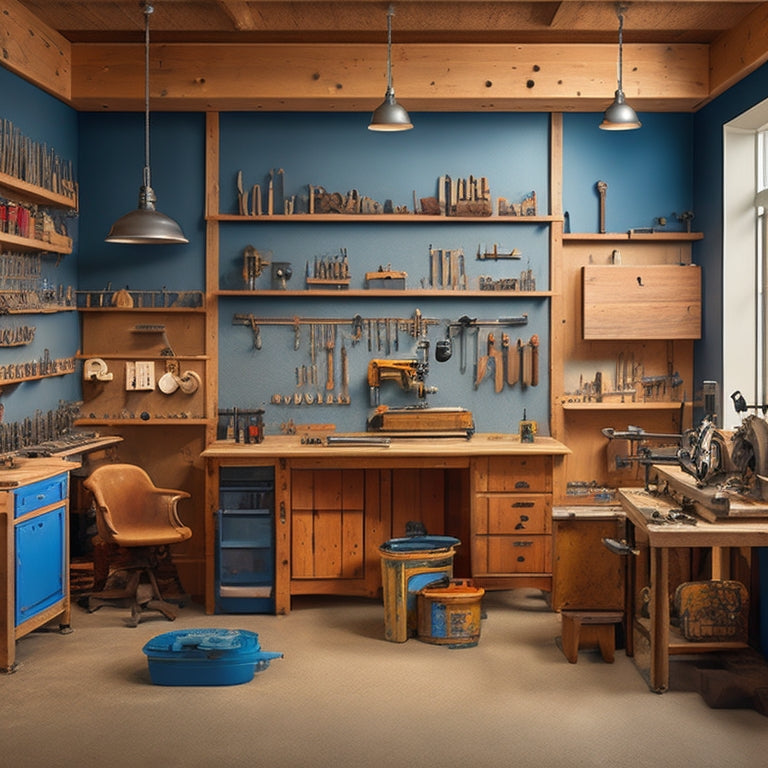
x=350, y=76
x=641, y=302
x=34, y=51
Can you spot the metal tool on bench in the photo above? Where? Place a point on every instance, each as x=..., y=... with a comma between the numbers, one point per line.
x=411, y=376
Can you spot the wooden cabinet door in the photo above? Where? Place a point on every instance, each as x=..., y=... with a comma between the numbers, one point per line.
x=327, y=533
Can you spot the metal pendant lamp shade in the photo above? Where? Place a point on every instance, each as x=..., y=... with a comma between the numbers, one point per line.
x=389, y=115
x=146, y=225
x=620, y=116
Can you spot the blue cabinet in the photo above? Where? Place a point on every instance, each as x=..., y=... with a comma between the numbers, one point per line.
x=245, y=541
x=41, y=560
x=34, y=543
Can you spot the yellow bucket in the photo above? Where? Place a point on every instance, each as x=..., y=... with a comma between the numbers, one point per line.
x=450, y=615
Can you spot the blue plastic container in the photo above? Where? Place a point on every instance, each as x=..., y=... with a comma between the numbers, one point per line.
x=206, y=657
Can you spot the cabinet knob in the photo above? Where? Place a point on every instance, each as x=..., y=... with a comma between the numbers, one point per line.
x=522, y=484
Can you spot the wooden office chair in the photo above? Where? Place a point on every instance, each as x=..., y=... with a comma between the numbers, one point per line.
x=133, y=514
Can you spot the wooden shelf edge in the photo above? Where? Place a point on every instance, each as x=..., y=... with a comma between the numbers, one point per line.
x=13, y=382
x=40, y=310
x=608, y=236
x=34, y=193
x=650, y=406
x=134, y=310
x=376, y=293
x=141, y=355
x=33, y=244
x=197, y=422
x=410, y=218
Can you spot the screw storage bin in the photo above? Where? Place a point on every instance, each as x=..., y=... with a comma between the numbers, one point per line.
x=450, y=615
x=407, y=566
x=206, y=657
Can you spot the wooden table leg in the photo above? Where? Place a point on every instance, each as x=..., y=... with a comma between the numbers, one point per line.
x=659, y=610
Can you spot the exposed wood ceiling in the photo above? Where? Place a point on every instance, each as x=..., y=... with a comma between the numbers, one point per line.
x=364, y=21
x=330, y=54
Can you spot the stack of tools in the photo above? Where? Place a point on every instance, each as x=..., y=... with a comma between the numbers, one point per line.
x=510, y=363
x=35, y=163
x=630, y=384
x=446, y=269
x=525, y=208
x=42, y=428
x=464, y=197
x=329, y=271
x=526, y=282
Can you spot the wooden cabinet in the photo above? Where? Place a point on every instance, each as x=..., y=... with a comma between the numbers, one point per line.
x=336, y=506
x=586, y=575
x=620, y=365
x=511, y=527
x=163, y=432
x=34, y=550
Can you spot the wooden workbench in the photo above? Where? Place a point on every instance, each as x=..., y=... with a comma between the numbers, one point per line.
x=655, y=540
x=335, y=506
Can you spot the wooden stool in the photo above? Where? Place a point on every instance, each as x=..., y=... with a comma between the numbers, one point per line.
x=602, y=624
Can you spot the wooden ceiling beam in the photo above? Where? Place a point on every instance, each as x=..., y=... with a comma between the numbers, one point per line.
x=438, y=77
x=739, y=51
x=34, y=51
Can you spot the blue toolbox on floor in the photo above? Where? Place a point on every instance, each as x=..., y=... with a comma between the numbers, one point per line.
x=206, y=657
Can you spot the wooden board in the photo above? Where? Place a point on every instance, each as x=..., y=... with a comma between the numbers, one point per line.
x=641, y=302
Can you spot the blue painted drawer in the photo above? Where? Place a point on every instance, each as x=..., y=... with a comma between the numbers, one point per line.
x=40, y=494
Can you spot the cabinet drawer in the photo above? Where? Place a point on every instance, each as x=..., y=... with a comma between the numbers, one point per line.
x=513, y=554
x=517, y=514
x=520, y=474
x=40, y=494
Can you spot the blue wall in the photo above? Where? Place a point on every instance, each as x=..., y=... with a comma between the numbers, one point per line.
x=708, y=198
x=45, y=120
x=648, y=173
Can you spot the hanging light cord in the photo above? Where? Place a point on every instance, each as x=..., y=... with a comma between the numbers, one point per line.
x=620, y=13
x=148, y=10
x=390, y=14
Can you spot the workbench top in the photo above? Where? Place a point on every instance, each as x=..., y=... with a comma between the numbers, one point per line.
x=485, y=444
x=30, y=470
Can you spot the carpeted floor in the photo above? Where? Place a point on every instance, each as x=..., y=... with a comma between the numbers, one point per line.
x=343, y=696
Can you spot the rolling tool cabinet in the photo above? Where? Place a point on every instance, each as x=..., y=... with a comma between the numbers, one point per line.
x=34, y=550
x=245, y=540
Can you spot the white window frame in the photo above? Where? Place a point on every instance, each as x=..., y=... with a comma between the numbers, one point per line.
x=745, y=250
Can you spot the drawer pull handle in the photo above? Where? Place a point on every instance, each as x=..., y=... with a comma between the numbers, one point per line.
x=522, y=484
x=522, y=544
x=523, y=504
x=40, y=496
x=520, y=559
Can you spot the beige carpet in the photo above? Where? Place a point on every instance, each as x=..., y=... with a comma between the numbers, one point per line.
x=343, y=696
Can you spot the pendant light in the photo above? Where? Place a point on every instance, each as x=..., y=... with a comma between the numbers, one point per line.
x=389, y=115
x=146, y=225
x=620, y=116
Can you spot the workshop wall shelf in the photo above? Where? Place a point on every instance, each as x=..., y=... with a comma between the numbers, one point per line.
x=380, y=218
x=34, y=193
x=392, y=294
x=641, y=406
x=619, y=236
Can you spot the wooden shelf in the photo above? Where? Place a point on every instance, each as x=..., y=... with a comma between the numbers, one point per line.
x=609, y=236
x=32, y=244
x=13, y=382
x=181, y=422
x=134, y=310
x=34, y=193
x=679, y=645
x=39, y=310
x=399, y=218
x=649, y=406
x=425, y=293
x=140, y=355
